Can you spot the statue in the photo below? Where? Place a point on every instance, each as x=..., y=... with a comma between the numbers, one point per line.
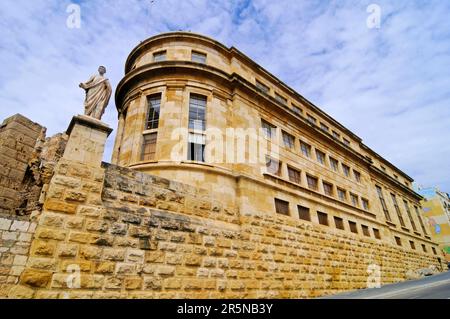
x=98, y=92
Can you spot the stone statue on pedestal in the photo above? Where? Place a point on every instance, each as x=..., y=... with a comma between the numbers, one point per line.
x=98, y=92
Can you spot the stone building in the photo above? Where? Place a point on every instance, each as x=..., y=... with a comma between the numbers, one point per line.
x=224, y=183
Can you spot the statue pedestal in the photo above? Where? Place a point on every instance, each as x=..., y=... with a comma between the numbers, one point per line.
x=87, y=138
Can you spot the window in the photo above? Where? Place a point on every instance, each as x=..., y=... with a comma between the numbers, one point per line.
x=324, y=127
x=281, y=207
x=311, y=119
x=294, y=175
x=303, y=213
x=365, y=203
x=411, y=243
x=434, y=250
x=268, y=129
x=336, y=135
x=424, y=248
x=328, y=189
x=396, y=177
x=288, y=140
x=154, y=104
x=397, y=210
x=334, y=164
x=273, y=166
x=354, y=200
x=420, y=220
x=280, y=99
x=196, y=147
x=353, y=227
x=383, y=203
x=323, y=218
x=312, y=182
x=346, y=142
x=149, y=147
x=339, y=222
x=341, y=194
x=320, y=157
x=159, y=56
x=398, y=240
x=357, y=176
x=261, y=87
x=383, y=168
x=346, y=170
x=198, y=57
x=197, y=111
x=297, y=110
x=376, y=233
x=408, y=211
x=306, y=149
x=365, y=230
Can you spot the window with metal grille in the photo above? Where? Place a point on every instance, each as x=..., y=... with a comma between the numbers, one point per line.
x=294, y=175
x=306, y=149
x=354, y=199
x=154, y=105
x=397, y=210
x=327, y=189
x=159, y=56
x=342, y=194
x=320, y=157
x=198, y=57
x=303, y=213
x=149, y=147
x=268, y=129
x=365, y=230
x=312, y=182
x=376, y=233
x=323, y=218
x=398, y=240
x=383, y=203
x=288, y=140
x=261, y=87
x=196, y=147
x=281, y=207
x=346, y=170
x=197, y=112
x=408, y=212
x=353, y=227
x=273, y=166
x=334, y=164
x=339, y=222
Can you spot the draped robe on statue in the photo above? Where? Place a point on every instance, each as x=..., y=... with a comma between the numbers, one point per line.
x=98, y=93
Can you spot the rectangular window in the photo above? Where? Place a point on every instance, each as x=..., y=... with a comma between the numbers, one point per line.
x=341, y=194
x=376, y=233
x=273, y=166
x=424, y=248
x=159, y=56
x=411, y=243
x=398, y=240
x=434, y=250
x=324, y=127
x=311, y=119
x=281, y=207
x=328, y=189
x=323, y=218
x=303, y=213
x=334, y=164
x=346, y=142
x=198, y=57
x=149, y=147
x=288, y=140
x=154, y=104
x=365, y=203
x=336, y=135
x=320, y=157
x=196, y=147
x=396, y=177
x=268, y=129
x=383, y=168
x=420, y=220
x=346, y=170
x=397, y=210
x=197, y=112
x=294, y=175
x=354, y=199
x=408, y=212
x=339, y=222
x=297, y=110
x=365, y=230
x=383, y=203
x=353, y=227
x=312, y=182
x=306, y=149
x=280, y=99
x=357, y=176
x=261, y=87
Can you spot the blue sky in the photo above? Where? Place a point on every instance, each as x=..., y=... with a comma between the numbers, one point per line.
x=390, y=86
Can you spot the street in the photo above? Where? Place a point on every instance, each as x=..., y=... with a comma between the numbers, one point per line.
x=431, y=287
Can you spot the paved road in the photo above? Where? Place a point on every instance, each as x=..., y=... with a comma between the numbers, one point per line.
x=431, y=287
